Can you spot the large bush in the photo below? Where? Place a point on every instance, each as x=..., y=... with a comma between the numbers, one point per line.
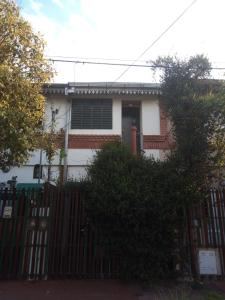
x=130, y=205
x=139, y=204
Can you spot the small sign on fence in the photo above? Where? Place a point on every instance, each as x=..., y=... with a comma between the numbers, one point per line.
x=209, y=262
x=7, y=212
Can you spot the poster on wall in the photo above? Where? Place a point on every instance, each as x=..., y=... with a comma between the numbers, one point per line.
x=209, y=262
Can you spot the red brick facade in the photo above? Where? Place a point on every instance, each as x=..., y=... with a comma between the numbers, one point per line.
x=83, y=141
x=163, y=120
x=161, y=141
x=156, y=142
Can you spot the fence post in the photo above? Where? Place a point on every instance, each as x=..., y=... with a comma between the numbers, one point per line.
x=191, y=245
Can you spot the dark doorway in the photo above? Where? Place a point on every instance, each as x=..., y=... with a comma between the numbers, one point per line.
x=130, y=117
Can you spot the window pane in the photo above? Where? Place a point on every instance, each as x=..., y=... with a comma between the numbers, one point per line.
x=91, y=114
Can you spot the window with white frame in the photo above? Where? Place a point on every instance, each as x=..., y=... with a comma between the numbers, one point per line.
x=91, y=114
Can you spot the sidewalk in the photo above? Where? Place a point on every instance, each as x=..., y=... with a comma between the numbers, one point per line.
x=68, y=290
x=220, y=285
x=101, y=290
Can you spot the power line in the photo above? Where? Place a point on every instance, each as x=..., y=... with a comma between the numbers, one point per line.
x=99, y=63
x=92, y=58
x=157, y=39
x=118, y=64
x=104, y=59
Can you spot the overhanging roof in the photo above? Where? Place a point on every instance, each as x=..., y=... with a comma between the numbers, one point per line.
x=102, y=88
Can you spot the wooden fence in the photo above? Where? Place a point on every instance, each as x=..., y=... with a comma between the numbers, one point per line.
x=46, y=234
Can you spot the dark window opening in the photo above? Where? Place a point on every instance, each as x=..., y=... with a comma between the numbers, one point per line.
x=37, y=172
x=131, y=117
x=91, y=114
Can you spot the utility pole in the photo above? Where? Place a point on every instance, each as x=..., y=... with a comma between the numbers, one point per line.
x=49, y=153
x=67, y=126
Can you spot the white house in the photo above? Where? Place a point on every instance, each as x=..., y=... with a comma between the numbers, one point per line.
x=91, y=114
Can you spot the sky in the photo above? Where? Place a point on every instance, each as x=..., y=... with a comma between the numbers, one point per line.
x=120, y=30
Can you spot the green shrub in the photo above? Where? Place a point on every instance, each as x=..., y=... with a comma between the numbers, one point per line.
x=130, y=204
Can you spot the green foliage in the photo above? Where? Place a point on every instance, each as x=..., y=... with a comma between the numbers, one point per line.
x=129, y=203
x=137, y=204
x=23, y=70
x=196, y=107
x=82, y=184
x=214, y=296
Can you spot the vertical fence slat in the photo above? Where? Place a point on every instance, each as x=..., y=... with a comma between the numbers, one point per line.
x=221, y=227
x=48, y=235
x=210, y=227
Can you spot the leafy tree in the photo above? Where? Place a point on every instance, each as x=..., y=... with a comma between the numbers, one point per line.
x=196, y=106
x=23, y=70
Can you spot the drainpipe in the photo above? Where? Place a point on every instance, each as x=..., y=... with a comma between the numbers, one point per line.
x=40, y=167
x=134, y=140
x=40, y=159
x=66, y=141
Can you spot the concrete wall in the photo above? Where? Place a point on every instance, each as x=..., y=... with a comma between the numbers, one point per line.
x=153, y=153
x=25, y=174
x=150, y=117
x=63, y=106
x=76, y=172
x=78, y=159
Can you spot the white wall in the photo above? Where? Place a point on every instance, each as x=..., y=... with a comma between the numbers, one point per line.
x=150, y=117
x=80, y=157
x=25, y=174
x=63, y=107
x=154, y=153
x=35, y=158
x=76, y=172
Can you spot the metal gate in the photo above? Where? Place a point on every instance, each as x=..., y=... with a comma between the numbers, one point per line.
x=46, y=234
x=207, y=235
